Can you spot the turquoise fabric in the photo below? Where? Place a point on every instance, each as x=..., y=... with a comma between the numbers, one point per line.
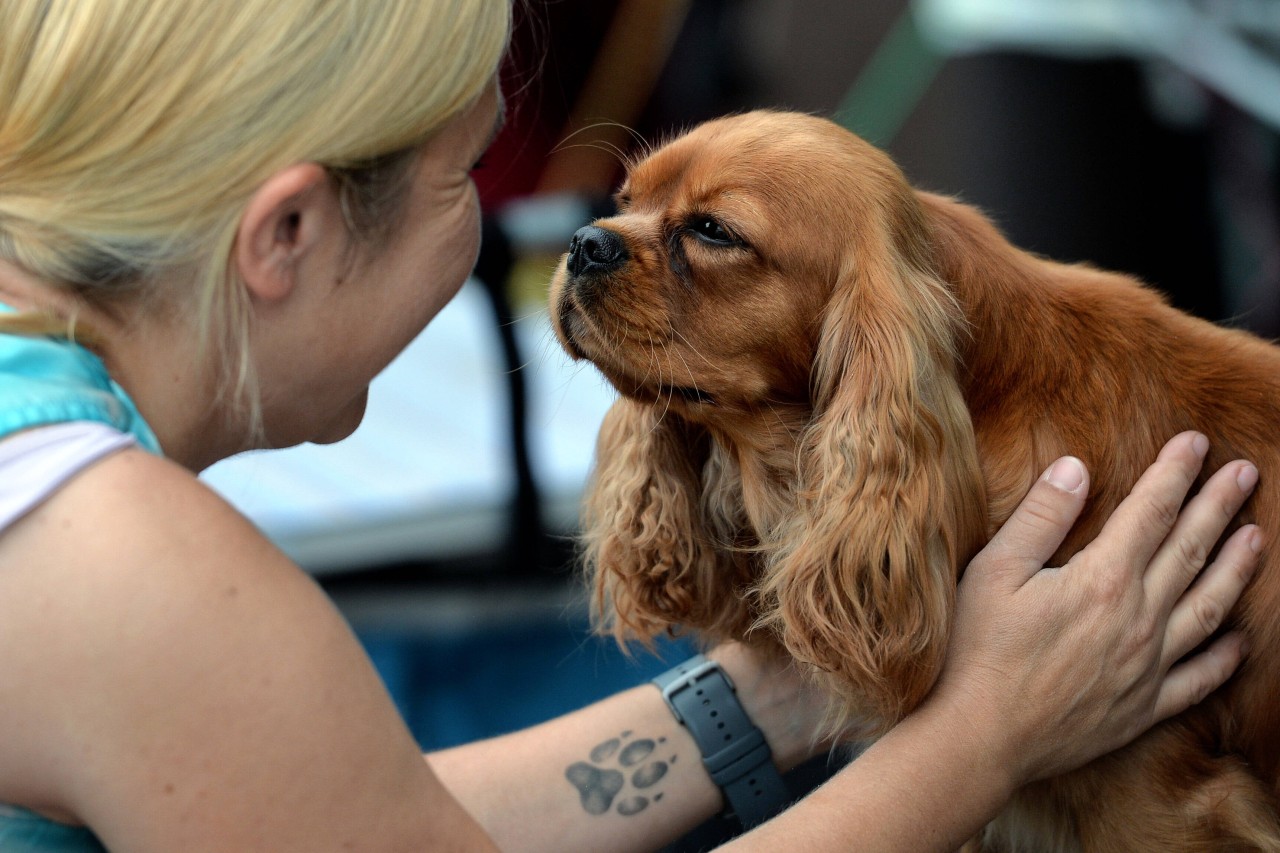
x=47, y=381
x=22, y=831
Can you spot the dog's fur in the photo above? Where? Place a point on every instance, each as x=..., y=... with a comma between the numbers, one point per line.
x=831, y=403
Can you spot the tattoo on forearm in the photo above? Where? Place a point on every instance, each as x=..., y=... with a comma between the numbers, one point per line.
x=622, y=770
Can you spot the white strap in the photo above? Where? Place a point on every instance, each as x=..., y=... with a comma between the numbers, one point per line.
x=36, y=463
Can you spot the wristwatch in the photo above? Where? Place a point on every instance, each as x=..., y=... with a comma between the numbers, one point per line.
x=734, y=751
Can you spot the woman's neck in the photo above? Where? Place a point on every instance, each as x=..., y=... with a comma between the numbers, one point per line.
x=150, y=354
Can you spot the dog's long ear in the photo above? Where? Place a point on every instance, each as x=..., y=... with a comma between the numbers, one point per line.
x=890, y=496
x=652, y=557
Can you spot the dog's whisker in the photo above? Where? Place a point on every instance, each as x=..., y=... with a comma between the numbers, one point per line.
x=670, y=394
x=669, y=356
x=598, y=145
x=652, y=368
x=587, y=128
x=676, y=332
x=637, y=137
x=693, y=381
x=620, y=153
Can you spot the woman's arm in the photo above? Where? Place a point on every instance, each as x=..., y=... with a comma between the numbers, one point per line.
x=170, y=679
x=1049, y=669
x=179, y=685
x=559, y=786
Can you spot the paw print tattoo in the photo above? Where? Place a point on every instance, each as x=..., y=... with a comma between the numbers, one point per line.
x=621, y=770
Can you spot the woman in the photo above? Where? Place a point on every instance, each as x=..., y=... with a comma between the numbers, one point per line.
x=218, y=221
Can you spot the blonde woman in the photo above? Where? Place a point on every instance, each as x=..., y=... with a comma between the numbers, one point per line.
x=218, y=221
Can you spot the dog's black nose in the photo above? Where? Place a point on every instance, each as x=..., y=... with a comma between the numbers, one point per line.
x=595, y=250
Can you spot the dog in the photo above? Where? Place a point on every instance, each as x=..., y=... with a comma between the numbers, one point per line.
x=835, y=388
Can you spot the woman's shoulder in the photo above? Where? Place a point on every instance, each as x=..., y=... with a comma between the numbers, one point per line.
x=107, y=586
x=128, y=520
x=154, y=646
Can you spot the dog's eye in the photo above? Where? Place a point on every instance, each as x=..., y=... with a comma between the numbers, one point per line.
x=711, y=231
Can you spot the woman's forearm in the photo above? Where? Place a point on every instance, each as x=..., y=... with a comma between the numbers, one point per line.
x=621, y=774
x=927, y=785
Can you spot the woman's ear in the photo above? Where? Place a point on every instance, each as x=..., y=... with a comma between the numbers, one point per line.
x=890, y=498
x=651, y=556
x=283, y=221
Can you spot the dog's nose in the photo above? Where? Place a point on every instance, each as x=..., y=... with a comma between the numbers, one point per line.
x=595, y=250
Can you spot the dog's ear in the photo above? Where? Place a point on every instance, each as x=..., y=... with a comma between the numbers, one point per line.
x=653, y=558
x=890, y=498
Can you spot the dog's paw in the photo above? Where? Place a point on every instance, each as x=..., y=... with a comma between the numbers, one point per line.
x=623, y=774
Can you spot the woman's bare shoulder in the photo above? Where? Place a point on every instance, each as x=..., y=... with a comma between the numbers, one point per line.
x=132, y=531
x=180, y=680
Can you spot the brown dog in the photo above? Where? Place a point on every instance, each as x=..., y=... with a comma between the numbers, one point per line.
x=836, y=388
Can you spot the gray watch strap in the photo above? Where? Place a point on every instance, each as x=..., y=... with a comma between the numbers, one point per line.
x=734, y=751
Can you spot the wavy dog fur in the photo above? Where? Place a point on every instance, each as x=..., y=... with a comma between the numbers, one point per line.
x=835, y=388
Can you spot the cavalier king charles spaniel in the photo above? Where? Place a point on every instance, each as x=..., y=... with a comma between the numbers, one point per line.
x=834, y=388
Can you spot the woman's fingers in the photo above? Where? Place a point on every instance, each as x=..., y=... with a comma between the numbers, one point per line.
x=1205, y=606
x=1143, y=520
x=1025, y=542
x=1199, y=527
x=1076, y=662
x=1189, y=682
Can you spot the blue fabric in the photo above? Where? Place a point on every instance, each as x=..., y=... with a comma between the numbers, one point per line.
x=22, y=831
x=48, y=381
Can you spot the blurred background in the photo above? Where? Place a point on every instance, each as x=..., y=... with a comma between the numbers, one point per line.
x=1139, y=135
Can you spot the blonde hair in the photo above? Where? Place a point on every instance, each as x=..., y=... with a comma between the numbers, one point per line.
x=133, y=132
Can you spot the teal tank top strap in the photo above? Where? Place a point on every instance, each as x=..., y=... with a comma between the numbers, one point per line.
x=22, y=831
x=47, y=380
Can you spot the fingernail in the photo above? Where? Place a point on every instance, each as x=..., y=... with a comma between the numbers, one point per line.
x=1200, y=445
x=1247, y=478
x=1255, y=541
x=1067, y=473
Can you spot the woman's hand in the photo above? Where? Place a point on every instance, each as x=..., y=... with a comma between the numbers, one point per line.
x=1054, y=667
x=1049, y=668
